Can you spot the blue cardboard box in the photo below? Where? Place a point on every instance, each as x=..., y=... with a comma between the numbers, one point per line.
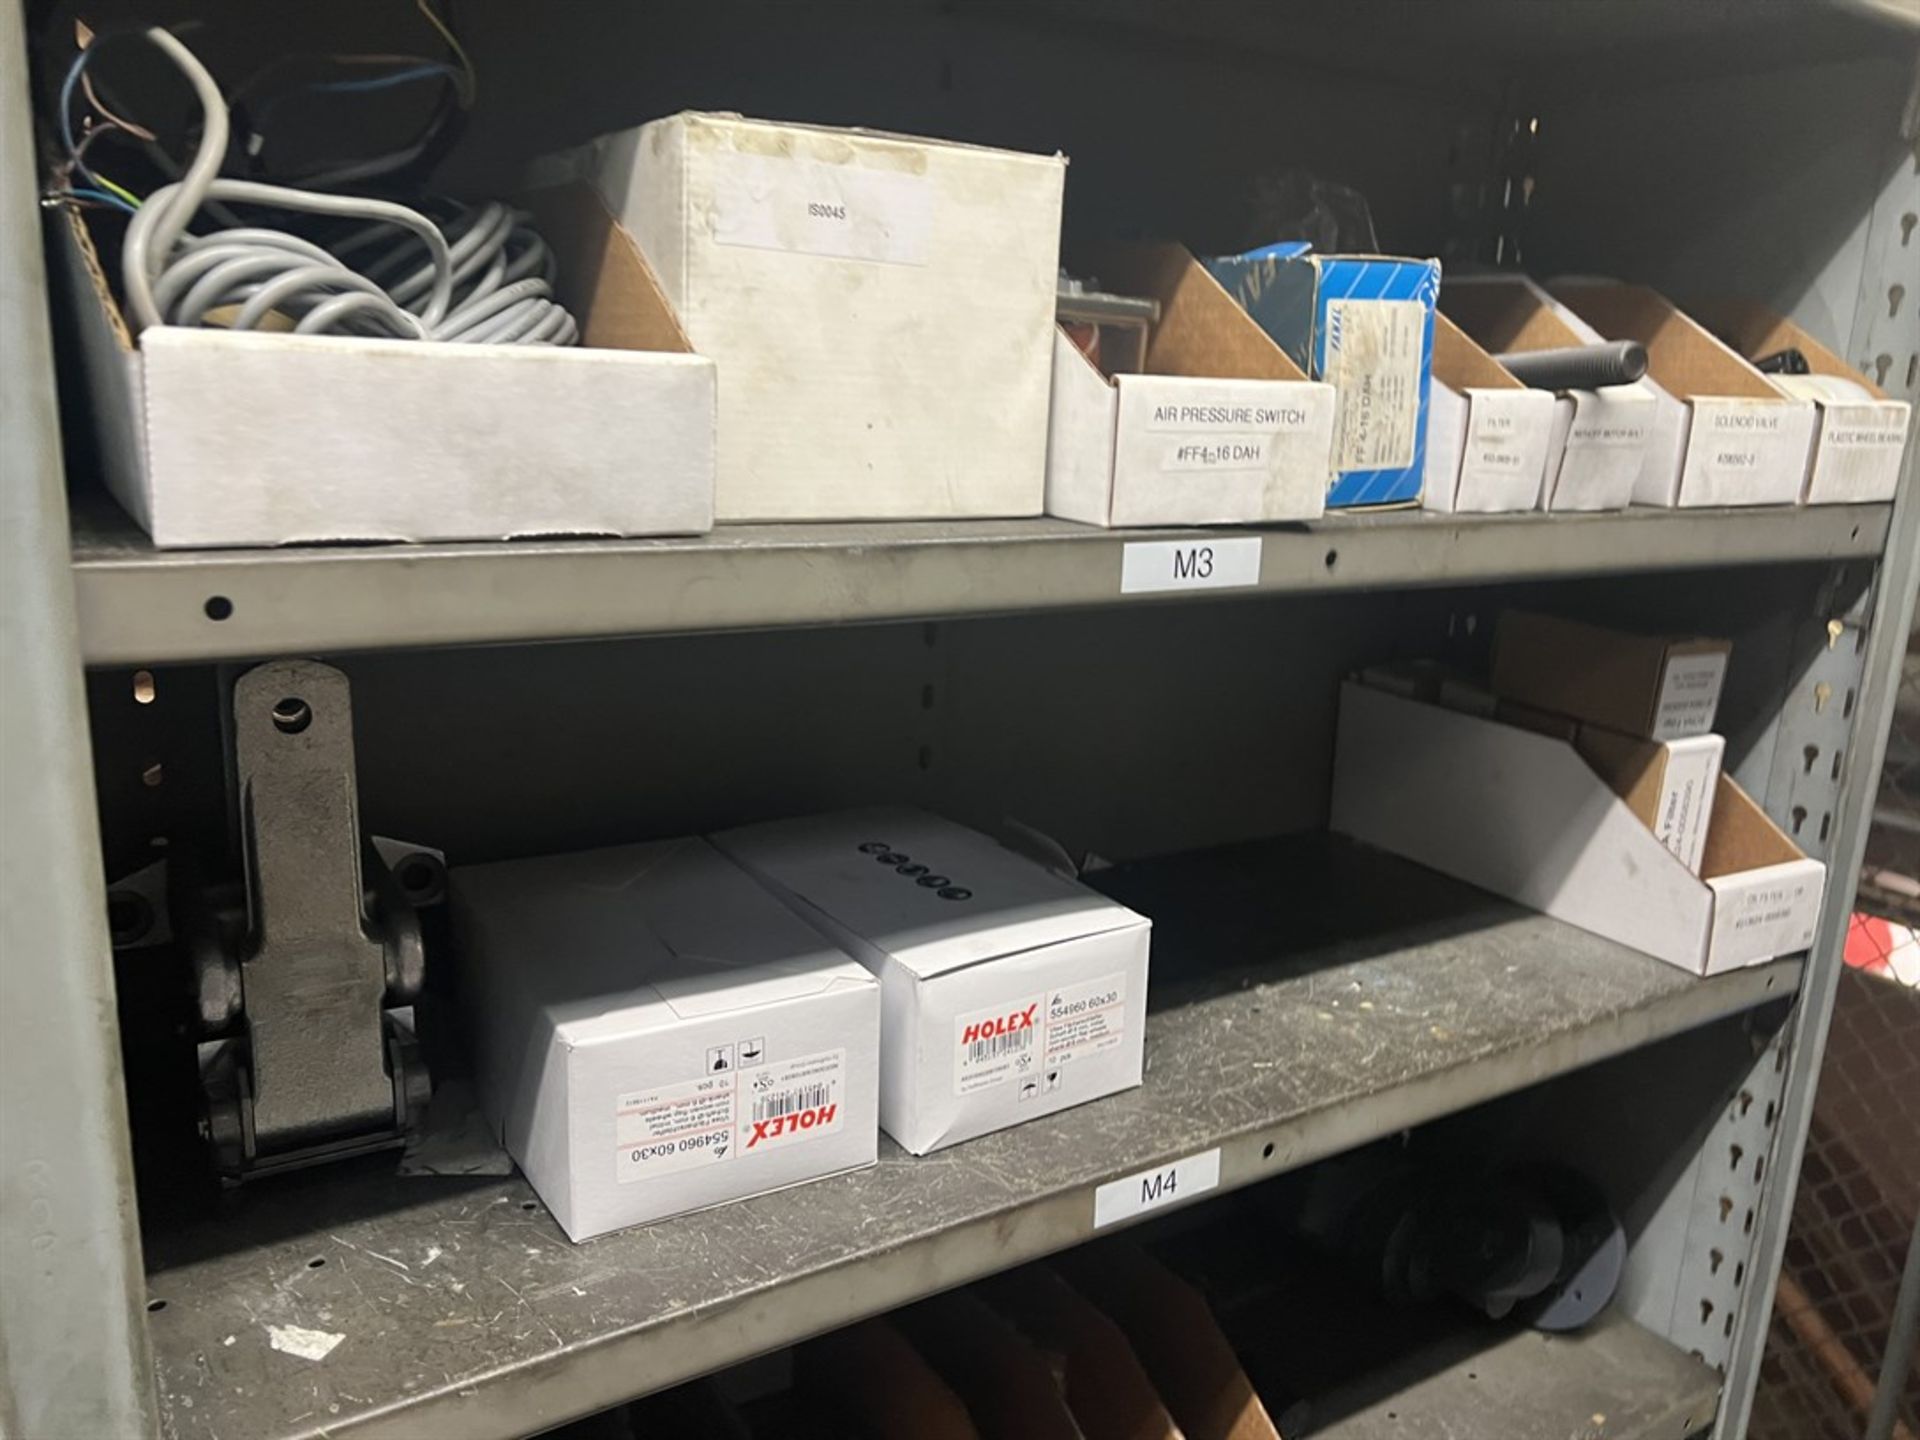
x=1365, y=324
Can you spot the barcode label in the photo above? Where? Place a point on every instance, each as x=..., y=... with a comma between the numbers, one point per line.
x=793, y=1100
x=807, y=1097
x=992, y=1046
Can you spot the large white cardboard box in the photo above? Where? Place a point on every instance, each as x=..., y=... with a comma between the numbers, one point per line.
x=881, y=308
x=1727, y=435
x=1488, y=436
x=654, y=1033
x=1219, y=428
x=215, y=438
x=1009, y=991
x=1523, y=815
x=1599, y=439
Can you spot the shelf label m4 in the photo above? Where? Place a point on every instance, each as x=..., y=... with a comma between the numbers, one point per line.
x=1155, y=1189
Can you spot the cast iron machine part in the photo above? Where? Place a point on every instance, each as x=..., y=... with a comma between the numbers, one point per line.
x=307, y=969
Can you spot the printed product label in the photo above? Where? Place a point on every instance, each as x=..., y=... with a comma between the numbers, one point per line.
x=1214, y=453
x=1034, y=1040
x=1205, y=418
x=1865, y=427
x=778, y=202
x=1372, y=355
x=996, y=1044
x=1495, y=447
x=1689, y=695
x=1607, y=434
x=1085, y=1019
x=675, y=1127
x=793, y=1101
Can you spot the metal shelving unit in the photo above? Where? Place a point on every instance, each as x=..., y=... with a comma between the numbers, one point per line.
x=1356, y=999
x=1284, y=1027
x=139, y=605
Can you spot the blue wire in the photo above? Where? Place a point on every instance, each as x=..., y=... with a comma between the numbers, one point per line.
x=66, y=96
x=383, y=82
x=83, y=192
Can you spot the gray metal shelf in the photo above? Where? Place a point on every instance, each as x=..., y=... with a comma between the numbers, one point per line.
x=142, y=606
x=1392, y=995
x=1614, y=1379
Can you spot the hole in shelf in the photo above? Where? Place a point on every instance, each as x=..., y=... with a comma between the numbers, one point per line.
x=1739, y=1272
x=529, y=1204
x=1706, y=1311
x=1715, y=1259
x=1746, y=1226
x=291, y=715
x=1333, y=558
x=316, y=1262
x=1759, y=1168
x=154, y=1307
x=1836, y=763
x=218, y=607
x=1810, y=754
x=1472, y=1376
x=1734, y=1152
x=143, y=691
x=1767, y=1119
x=1266, y=1152
x=1746, y=1101
x=1727, y=1329
x=1799, y=817
x=1846, y=705
x=1726, y=1208
x=1826, y=825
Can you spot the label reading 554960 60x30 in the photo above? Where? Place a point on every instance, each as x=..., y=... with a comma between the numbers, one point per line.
x=720, y=1116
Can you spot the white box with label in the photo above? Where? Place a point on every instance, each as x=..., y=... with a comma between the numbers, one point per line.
x=654, y=1033
x=881, y=308
x=1523, y=815
x=1488, y=436
x=1600, y=437
x=1726, y=435
x=1219, y=428
x=1008, y=991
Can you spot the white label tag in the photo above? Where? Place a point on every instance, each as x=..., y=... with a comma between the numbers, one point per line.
x=1154, y=1189
x=1689, y=695
x=1607, y=434
x=792, y=1101
x=1372, y=356
x=1083, y=1020
x=674, y=1127
x=996, y=1044
x=1865, y=427
x=1225, y=564
x=775, y=202
x=1686, y=802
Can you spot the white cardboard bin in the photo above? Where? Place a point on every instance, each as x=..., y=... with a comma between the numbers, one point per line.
x=1220, y=428
x=1523, y=815
x=1727, y=435
x=1009, y=991
x=1489, y=437
x=215, y=438
x=1599, y=439
x=654, y=1033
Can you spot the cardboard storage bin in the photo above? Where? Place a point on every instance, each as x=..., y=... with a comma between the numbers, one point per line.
x=1660, y=687
x=1488, y=435
x=1219, y=427
x=216, y=438
x=1525, y=816
x=881, y=308
x=1599, y=439
x=1010, y=991
x=1725, y=434
x=654, y=1033
x=1363, y=323
x=1860, y=440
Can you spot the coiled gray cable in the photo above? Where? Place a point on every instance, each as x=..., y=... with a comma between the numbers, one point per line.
x=489, y=279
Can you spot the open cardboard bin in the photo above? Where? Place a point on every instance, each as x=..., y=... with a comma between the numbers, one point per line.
x=1599, y=438
x=1727, y=435
x=1857, y=446
x=1524, y=815
x=1488, y=436
x=216, y=438
x=1219, y=426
